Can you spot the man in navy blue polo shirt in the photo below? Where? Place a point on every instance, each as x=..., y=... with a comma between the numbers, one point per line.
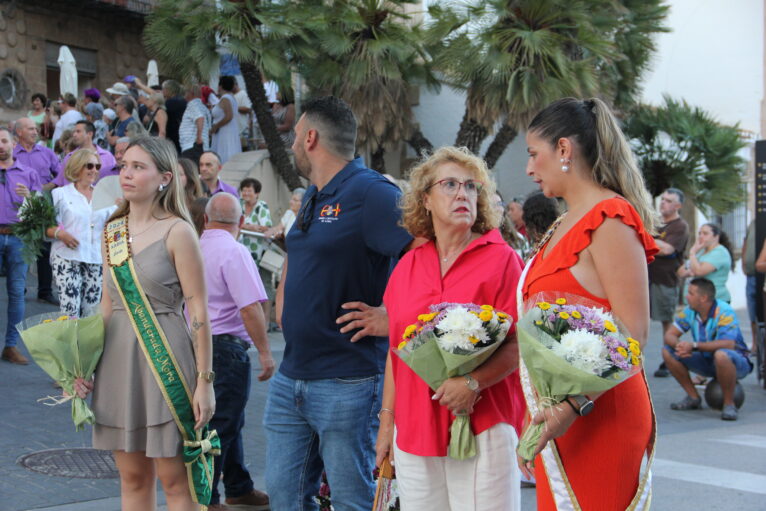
x=322, y=406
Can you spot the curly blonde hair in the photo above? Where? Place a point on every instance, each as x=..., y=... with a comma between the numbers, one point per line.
x=416, y=219
x=77, y=162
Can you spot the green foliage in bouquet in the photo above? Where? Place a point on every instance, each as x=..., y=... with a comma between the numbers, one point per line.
x=36, y=214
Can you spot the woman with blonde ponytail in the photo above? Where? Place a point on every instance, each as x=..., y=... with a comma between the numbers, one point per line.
x=153, y=393
x=592, y=454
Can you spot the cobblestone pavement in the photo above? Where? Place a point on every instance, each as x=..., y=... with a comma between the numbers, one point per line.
x=702, y=462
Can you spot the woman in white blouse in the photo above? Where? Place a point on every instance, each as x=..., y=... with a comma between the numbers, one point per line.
x=76, y=248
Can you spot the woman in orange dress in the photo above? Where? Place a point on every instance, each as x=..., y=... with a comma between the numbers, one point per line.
x=599, y=250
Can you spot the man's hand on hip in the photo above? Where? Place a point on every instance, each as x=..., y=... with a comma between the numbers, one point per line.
x=371, y=321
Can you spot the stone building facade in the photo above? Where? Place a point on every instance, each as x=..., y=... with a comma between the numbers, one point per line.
x=103, y=35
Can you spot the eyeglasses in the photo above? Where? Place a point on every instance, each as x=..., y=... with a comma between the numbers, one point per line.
x=91, y=166
x=451, y=186
x=303, y=220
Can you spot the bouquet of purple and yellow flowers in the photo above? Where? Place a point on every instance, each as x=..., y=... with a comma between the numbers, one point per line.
x=452, y=340
x=571, y=346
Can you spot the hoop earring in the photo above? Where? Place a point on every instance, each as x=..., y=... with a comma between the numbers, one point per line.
x=564, y=166
x=162, y=187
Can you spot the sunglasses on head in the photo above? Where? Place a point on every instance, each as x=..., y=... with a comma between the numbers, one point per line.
x=91, y=166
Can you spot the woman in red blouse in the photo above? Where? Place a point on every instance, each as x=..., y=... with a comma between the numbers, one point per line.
x=465, y=260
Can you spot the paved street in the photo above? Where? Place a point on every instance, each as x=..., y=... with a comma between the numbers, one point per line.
x=702, y=463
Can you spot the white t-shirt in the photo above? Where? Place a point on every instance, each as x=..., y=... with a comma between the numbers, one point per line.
x=66, y=121
x=271, y=89
x=243, y=101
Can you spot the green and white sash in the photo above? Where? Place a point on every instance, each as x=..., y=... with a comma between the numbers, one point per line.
x=561, y=489
x=198, y=446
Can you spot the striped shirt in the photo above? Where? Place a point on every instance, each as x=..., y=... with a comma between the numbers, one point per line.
x=187, y=131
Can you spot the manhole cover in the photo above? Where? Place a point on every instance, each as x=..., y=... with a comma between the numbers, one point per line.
x=82, y=463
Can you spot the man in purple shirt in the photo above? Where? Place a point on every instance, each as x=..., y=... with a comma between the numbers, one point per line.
x=45, y=162
x=235, y=293
x=16, y=181
x=83, y=137
x=209, y=168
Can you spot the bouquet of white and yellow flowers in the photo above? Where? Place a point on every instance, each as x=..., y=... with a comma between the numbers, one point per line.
x=66, y=348
x=571, y=346
x=452, y=340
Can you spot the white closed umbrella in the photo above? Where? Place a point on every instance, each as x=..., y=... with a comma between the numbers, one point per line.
x=68, y=72
x=152, y=74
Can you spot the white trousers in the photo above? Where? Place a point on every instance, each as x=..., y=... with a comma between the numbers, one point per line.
x=487, y=482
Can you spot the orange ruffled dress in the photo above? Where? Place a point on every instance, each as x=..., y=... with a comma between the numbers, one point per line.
x=601, y=452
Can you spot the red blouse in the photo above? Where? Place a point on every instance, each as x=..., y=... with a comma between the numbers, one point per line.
x=486, y=272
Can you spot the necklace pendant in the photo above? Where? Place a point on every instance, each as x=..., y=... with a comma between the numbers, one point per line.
x=130, y=239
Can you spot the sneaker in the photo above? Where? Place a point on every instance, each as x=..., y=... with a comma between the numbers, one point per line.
x=661, y=373
x=13, y=355
x=687, y=403
x=729, y=413
x=256, y=500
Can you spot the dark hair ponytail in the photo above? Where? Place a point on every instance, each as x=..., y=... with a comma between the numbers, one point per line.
x=594, y=129
x=723, y=239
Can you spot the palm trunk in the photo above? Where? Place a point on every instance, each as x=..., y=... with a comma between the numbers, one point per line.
x=502, y=139
x=419, y=142
x=471, y=134
x=277, y=151
x=377, y=160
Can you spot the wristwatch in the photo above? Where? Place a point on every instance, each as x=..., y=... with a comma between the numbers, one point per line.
x=471, y=383
x=208, y=376
x=583, y=406
x=695, y=346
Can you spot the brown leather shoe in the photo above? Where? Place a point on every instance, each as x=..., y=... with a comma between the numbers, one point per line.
x=256, y=500
x=14, y=356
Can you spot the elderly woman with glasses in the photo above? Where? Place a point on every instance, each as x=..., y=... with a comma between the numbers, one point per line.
x=465, y=260
x=76, y=248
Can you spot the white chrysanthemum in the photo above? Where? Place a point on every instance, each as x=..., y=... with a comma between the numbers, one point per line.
x=450, y=341
x=583, y=350
x=457, y=327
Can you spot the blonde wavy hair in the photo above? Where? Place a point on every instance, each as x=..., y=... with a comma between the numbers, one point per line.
x=77, y=162
x=415, y=217
x=172, y=198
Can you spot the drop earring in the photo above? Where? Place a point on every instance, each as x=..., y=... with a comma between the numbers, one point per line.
x=162, y=187
x=564, y=165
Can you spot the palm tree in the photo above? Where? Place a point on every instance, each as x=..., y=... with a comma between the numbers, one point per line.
x=185, y=36
x=369, y=53
x=513, y=57
x=683, y=146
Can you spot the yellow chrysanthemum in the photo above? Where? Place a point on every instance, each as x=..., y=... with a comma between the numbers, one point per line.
x=635, y=348
x=473, y=339
x=631, y=340
x=564, y=315
x=486, y=315
x=425, y=318
x=622, y=351
x=561, y=301
x=635, y=360
x=47, y=321
x=576, y=315
x=62, y=318
x=609, y=326
x=538, y=322
x=487, y=308
x=544, y=305
x=402, y=345
x=409, y=331
x=502, y=315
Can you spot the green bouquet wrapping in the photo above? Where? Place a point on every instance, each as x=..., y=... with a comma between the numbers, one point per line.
x=65, y=348
x=571, y=346
x=453, y=340
x=36, y=214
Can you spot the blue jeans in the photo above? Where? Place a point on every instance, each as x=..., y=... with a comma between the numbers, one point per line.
x=314, y=424
x=231, y=364
x=703, y=364
x=15, y=284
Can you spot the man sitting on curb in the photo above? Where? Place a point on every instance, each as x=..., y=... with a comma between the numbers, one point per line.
x=717, y=349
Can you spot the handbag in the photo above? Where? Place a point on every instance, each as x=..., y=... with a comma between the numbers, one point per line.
x=385, y=493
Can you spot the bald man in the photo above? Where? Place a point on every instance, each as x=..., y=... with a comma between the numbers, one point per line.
x=235, y=293
x=209, y=168
x=43, y=161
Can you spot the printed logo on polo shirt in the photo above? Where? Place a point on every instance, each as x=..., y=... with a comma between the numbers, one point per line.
x=329, y=213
